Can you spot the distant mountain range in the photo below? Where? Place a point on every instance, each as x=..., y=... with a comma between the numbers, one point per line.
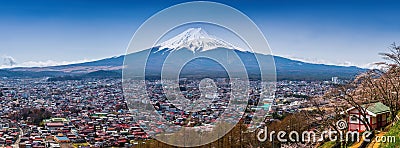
x=194, y=41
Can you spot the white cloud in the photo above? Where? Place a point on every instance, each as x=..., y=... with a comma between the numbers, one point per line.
x=49, y=63
x=321, y=61
x=9, y=62
x=374, y=66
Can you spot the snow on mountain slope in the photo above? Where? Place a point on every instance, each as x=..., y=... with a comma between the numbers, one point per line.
x=196, y=40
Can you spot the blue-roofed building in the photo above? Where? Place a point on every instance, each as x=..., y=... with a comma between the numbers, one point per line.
x=60, y=138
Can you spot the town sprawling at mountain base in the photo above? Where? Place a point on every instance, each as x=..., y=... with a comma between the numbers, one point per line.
x=91, y=110
x=203, y=74
x=37, y=112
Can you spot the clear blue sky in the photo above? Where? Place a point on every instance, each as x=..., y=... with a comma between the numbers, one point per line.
x=63, y=31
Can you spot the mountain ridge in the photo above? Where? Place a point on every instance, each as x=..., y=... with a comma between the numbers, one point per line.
x=284, y=67
x=192, y=43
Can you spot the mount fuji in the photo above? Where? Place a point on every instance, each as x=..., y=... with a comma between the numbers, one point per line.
x=196, y=40
x=193, y=41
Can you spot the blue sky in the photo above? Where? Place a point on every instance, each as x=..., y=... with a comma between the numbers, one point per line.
x=343, y=32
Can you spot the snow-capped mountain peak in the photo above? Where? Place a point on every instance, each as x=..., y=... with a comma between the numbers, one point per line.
x=195, y=39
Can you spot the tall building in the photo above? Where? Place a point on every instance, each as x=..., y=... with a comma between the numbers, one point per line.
x=335, y=80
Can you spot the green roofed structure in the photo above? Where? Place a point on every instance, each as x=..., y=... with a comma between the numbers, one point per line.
x=377, y=108
x=376, y=113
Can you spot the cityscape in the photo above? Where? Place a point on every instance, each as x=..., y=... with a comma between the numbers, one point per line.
x=42, y=113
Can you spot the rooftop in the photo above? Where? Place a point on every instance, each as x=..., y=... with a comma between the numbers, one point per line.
x=377, y=108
